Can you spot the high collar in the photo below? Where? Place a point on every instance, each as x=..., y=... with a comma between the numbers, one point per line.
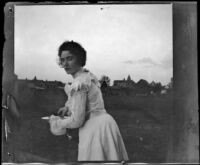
x=81, y=70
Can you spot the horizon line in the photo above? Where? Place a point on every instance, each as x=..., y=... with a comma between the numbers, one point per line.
x=110, y=79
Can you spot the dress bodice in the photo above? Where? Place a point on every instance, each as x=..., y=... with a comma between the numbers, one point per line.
x=84, y=97
x=86, y=81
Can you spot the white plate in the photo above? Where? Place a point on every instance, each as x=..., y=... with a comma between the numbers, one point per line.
x=46, y=118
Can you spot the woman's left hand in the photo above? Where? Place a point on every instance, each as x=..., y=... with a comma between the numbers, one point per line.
x=53, y=118
x=55, y=127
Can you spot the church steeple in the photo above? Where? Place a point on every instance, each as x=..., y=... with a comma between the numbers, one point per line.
x=129, y=78
x=35, y=78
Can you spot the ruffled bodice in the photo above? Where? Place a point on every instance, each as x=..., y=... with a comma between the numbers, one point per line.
x=86, y=82
x=84, y=97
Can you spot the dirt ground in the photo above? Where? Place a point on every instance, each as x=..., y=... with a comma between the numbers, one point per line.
x=143, y=122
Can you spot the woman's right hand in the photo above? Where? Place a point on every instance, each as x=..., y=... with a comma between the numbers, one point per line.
x=62, y=111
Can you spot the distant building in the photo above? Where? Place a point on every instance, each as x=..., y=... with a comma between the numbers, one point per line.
x=124, y=83
x=41, y=84
x=120, y=83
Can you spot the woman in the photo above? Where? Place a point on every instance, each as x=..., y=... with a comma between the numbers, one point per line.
x=99, y=135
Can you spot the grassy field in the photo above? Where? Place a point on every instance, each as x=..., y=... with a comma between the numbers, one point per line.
x=143, y=122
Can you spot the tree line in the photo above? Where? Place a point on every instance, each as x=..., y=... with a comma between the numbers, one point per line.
x=142, y=86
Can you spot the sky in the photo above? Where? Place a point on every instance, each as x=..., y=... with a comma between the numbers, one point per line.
x=120, y=40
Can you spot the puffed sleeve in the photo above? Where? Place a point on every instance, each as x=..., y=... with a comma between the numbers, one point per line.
x=77, y=108
x=67, y=103
x=66, y=89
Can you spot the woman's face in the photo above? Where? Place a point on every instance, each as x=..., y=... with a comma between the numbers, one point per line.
x=70, y=62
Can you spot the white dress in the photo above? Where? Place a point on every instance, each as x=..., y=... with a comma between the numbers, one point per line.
x=99, y=135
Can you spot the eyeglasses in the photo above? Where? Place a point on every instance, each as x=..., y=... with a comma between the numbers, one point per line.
x=69, y=58
x=61, y=60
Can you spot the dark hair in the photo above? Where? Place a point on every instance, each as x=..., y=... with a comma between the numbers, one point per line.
x=74, y=48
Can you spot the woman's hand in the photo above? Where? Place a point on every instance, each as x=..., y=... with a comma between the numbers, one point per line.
x=55, y=127
x=63, y=111
x=53, y=118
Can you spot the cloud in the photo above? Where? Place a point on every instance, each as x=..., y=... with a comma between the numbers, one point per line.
x=129, y=62
x=146, y=61
x=165, y=63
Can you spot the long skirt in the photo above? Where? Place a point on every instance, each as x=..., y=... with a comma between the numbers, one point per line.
x=100, y=139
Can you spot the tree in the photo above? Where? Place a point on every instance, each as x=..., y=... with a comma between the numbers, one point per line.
x=142, y=86
x=142, y=83
x=153, y=84
x=170, y=86
x=104, y=81
x=158, y=87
